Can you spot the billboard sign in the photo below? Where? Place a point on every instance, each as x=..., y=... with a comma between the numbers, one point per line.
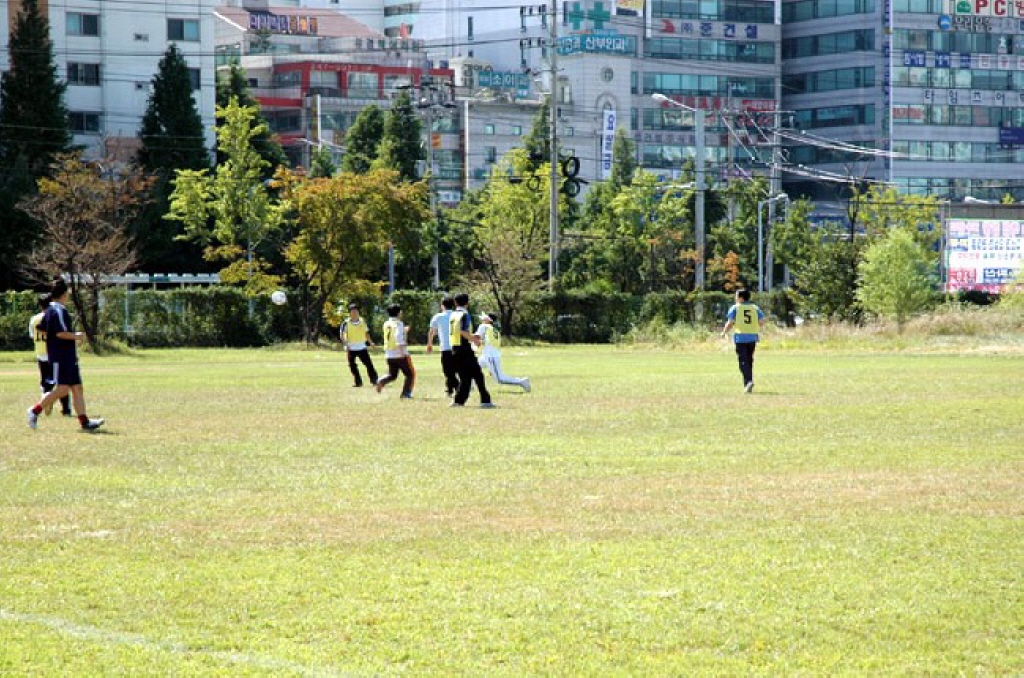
x=983, y=255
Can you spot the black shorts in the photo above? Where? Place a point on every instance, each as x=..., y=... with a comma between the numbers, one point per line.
x=66, y=373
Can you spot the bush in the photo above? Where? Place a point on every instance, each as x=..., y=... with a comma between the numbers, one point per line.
x=16, y=309
x=194, y=316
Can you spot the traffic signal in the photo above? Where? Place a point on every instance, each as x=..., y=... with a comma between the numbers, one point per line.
x=570, y=181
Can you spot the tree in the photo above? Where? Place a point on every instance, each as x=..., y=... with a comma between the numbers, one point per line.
x=538, y=140
x=345, y=223
x=171, y=139
x=322, y=164
x=401, y=146
x=84, y=216
x=511, y=239
x=172, y=130
x=235, y=199
x=362, y=140
x=233, y=83
x=624, y=163
x=33, y=130
x=826, y=275
x=895, y=277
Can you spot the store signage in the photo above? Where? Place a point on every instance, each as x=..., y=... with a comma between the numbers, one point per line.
x=995, y=8
x=267, y=21
x=598, y=44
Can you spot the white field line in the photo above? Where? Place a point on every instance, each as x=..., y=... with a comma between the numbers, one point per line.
x=97, y=635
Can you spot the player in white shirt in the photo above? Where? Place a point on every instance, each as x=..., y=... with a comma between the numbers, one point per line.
x=490, y=353
x=440, y=325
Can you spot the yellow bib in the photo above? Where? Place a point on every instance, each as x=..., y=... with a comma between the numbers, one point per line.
x=355, y=333
x=746, y=319
x=456, y=328
x=38, y=335
x=391, y=335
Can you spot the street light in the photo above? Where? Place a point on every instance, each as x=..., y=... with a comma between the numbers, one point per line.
x=698, y=169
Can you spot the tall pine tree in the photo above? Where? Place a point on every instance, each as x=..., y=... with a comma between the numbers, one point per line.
x=401, y=147
x=33, y=130
x=172, y=139
x=362, y=140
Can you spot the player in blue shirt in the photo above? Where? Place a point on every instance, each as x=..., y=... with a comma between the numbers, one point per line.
x=62, y=353
x=745, y=319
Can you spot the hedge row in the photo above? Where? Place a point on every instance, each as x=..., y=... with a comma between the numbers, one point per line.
x=221, y=316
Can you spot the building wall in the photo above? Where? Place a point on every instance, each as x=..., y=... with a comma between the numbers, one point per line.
x=130, y=41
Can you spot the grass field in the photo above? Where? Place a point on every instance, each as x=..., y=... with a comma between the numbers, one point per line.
x=249, y=513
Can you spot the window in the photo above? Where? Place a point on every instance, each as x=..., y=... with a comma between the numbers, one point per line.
x=363, y=85
x=490, y=154
x=488, y=129
x=83, y=24
x=83, y=74
x=195, y=77
x=81, y=122
x=183, y=30
x=517, y=130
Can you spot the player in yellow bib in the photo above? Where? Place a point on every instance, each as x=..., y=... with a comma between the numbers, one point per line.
x=355, y=335
x=490, y=353
x=745, y=319
x=396, y=350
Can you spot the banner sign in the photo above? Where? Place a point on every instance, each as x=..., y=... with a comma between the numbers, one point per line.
x=983, y=254
x=598, y=44
x=607, y=142
x=516, y=80
x=1011, y=136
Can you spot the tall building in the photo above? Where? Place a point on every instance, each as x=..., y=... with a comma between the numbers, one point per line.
x=937, y=85
x=108, y=53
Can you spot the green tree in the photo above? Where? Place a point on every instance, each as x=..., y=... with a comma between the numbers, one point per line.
x=345, y=224
x=537, y=141
x=826, y=275
x=401, y=147
x=624, y=163
x=322, y=164
x=895, y=277
x=171, y=139
x=233, y=83
x=510, y=236
x=172, y=130
x=362, y=140
x=235, y=200
x=33, y=130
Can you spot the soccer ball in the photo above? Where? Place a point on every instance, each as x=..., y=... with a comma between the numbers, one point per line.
x=279, y=297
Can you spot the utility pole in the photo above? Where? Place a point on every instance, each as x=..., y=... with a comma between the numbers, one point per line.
x=700, y=187
x=553, y=112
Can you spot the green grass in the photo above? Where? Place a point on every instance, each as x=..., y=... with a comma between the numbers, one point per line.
x=248, y=513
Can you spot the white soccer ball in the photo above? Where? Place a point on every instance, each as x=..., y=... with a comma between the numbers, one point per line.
x=279, y=297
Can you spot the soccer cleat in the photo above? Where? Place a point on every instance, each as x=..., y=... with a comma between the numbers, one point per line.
x=526, y=385
x=357, y=385
x=488, y=406
x=93, y=424
x=33, y=418
x=455, y=405
x=407, y=396
x=749, y=387
x=67, y=414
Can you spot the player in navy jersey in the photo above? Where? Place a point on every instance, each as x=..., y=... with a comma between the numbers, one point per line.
x=62, y=353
